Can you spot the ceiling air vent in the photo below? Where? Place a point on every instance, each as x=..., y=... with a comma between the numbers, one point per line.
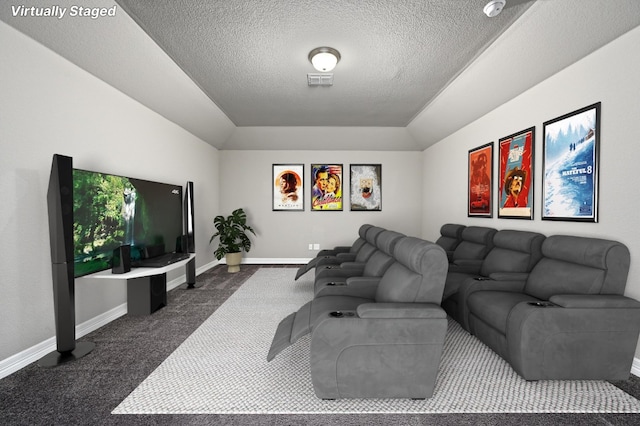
x=316, y=79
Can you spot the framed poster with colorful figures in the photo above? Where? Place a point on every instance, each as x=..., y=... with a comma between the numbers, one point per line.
x=326, y=192
x=366, y=187
x=288, y=187
x=515, y=180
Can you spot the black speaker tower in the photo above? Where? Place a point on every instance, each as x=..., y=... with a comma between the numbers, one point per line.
x=190, y=233
x=60, y=207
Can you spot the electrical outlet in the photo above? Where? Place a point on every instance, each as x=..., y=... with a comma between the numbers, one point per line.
x=316, y=246
x=310, y=246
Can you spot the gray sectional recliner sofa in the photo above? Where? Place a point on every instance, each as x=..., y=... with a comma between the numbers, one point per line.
x=387, y=346
x=552, y=307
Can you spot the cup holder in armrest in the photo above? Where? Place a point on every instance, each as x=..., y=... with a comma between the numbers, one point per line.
x=541, y=304
x=333, y=283
x=340, y=314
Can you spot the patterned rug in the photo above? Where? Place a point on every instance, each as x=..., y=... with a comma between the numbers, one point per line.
x=222, y=369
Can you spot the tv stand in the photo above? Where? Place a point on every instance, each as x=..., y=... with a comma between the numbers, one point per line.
x=147, y=287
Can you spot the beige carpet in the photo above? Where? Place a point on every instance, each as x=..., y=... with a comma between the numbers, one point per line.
x=222, y=369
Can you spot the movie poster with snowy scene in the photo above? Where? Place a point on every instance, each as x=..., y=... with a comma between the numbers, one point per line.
x=571, y=146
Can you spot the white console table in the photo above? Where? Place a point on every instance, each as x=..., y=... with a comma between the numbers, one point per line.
x=147, y=287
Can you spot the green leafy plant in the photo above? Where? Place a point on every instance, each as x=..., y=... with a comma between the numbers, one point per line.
x=232, y=232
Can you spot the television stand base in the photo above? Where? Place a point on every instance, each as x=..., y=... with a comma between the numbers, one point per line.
x=56, y=358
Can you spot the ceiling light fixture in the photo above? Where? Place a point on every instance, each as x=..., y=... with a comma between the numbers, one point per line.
x=324, y=59
x=494, y=7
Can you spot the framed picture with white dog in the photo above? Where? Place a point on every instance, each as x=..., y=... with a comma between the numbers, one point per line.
x=515, y=180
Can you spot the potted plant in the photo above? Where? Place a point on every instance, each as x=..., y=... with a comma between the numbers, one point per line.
x=233, y=238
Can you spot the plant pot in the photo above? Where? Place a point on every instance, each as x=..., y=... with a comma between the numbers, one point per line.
x=233, y=261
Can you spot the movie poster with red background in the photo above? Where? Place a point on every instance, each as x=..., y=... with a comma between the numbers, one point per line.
x=515, y=180
x=480, y=181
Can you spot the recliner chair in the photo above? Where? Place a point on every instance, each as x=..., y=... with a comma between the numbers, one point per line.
x=350, y=277
x=386, y=347
x=357, y=244
x=477, y=242
x=569, y=320
x=326, y=265
x=512, y=257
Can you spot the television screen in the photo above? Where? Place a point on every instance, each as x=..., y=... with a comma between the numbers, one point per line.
x=110, y=211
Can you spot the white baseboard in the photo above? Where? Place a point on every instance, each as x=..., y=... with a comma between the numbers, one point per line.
x=272, y=261
x=22, y=359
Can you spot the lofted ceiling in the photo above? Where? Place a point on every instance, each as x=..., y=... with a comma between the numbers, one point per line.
x=232, y=71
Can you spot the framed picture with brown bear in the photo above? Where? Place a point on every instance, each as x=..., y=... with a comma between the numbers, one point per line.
x=515, y=179
x=366, y=187
x=480, y=201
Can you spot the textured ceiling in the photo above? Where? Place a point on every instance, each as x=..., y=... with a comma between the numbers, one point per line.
x=234, y=72
x=250, y=56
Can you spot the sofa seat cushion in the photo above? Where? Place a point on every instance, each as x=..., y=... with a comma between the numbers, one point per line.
x=494, y=307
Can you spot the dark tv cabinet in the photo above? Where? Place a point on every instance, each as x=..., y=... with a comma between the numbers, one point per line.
x=147, y=287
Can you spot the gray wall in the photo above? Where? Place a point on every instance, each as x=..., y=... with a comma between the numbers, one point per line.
x=49, y=106
x=245, y=178
x=609, y=75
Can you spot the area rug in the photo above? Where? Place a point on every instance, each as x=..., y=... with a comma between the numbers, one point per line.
x=222, y=369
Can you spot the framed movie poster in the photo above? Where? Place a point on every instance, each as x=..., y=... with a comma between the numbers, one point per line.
x=515, y=180
x=288, y=187
x=366, y=187
x=480, y=201
x=326, y=193
x=571, y=147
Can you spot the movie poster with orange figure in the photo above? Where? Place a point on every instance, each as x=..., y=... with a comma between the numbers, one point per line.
x=515, y=180
x=480, y=181
x=288, y=187
x=326, y=192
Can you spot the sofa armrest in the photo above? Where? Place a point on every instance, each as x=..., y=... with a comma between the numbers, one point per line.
x=466, y=266
x=344, y=270
x=584, y=340
x=334, y=251
x=376, y=357
x=400, y=310
x=509, y=276
x=327, y=260
x=594, y=301
x=364, y=287
x=346, y=257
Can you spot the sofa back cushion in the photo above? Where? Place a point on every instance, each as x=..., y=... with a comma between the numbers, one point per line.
x=369, y=247
x=579, y=265
x=362, y=238
x=513, y=251
x=382, y=258
x=450, y=237
x=417, y=275
x=476, y=242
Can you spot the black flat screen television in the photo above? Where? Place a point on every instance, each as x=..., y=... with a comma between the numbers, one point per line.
x=110, y=211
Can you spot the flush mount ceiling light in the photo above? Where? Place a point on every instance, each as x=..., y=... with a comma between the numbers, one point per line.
x=494, y=7
x=324, y=59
